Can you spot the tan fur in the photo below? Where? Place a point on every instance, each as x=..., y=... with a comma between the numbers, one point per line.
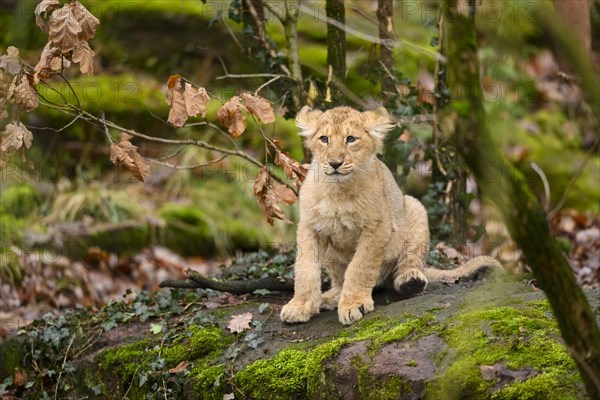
x=356, y=223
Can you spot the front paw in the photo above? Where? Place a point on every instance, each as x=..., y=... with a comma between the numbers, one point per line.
x=299, y=311
x=330, y=299
x=352, y=310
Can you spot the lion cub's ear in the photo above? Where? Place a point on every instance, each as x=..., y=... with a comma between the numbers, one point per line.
x=378, y=122
x=306, y=121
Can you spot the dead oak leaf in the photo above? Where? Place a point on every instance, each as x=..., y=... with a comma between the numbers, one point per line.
x=126, y=154
x=267, y=198
x=42, y=10
x=240, y=323
x=64, y=29
x=175, y=99
x=14, y=136
x=260, y=107
x=231, y=117
x=25, y=95
x=179, y=368
x=10, y=61
x=284, y=194
x=84, y=55
x=292, y=168
x=20, y=377
x=195, y=100
x=86, y=20
x=51, y=60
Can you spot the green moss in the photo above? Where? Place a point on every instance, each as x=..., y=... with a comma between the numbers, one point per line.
x=20, y=200
x=209, y=382
x=516, y=337
x=411, y=363
x=12, y=354
x=199, y=343
x=295, y=372
x=369, y=387
x=125, y=361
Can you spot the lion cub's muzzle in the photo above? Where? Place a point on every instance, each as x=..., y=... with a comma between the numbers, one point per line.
x=337, y=167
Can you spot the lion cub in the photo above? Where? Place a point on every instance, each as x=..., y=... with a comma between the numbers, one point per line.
x=355, y=222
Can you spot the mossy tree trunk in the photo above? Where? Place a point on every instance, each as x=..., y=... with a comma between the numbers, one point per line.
x=336, y=45
x=385, y=17
x=448, y=165
x=465, y=120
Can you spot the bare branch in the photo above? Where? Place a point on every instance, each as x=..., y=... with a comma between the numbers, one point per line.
x=198, y=281
x=186, y=167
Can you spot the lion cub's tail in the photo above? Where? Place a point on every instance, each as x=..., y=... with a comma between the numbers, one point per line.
x=469, y=270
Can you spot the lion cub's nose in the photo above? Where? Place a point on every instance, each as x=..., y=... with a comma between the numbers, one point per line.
x=335, y=164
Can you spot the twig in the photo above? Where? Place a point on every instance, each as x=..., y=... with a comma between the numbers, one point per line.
x=244, y=76
x=180, y=167
x=267, y=83
x=588, y=156
x=390, y=43
x=198, y=281
x=542, y=175
x=62, y=367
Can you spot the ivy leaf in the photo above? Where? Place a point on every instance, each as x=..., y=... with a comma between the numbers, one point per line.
x=108, y=325
x=240, y=323
x=260, y=107
x=231, y=117
x=97, y=389
x=262, y=292
x=263, y=307
x=156, y=328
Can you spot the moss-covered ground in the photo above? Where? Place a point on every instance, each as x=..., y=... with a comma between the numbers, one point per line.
x=165, y=344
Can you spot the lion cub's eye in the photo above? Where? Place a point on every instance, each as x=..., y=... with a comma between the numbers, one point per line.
x=324, y=139
x=350, y=139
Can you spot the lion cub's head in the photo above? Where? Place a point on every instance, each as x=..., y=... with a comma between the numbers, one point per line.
x=342, y=139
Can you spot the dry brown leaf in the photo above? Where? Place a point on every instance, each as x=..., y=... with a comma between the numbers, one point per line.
x=12, y=138
x=42, y=10
x=266, y=197
x=64, y=29
x=179, y=368
x=10, y=62
x=240, y=323
x=195, y=100
x=260, y=107
x=84, y=55
x=231, y=117
x=20, y=378
x=86, y=20
x=283, y=194
x=10, y=94
x=25, y=95
x=175, y=99
x=126, y=154
x=51, y=60
x=292, y=168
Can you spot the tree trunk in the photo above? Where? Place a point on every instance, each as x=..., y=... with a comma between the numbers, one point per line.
x=465, y=120
x=448, y=165
x=336, y=46
x=385, y=16
x=576, y=15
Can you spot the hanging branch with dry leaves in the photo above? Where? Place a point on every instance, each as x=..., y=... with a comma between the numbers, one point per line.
x=69, y=28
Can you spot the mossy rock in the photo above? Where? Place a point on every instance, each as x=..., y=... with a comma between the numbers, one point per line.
x=436, y=345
